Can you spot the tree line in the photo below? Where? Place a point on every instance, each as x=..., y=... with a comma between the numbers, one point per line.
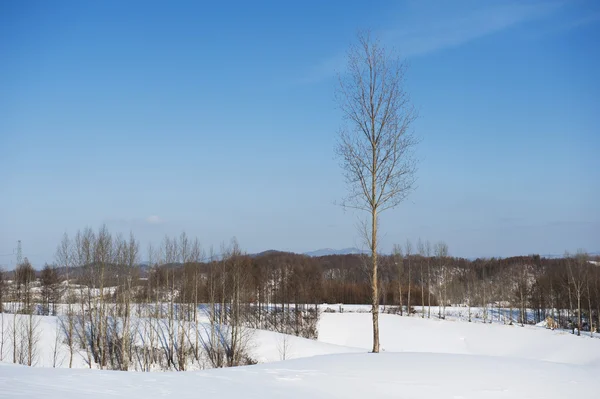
x=181, y=308
x=184, y=307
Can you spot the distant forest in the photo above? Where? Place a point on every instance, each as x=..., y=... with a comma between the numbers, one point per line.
x=413, y=278
x=105, y=297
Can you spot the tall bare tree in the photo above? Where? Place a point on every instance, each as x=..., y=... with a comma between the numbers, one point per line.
x=399, y=263
x=422, y=252
x=441, y=253
x=3, y=332
x=50, y=294
x=375, y=145
x=428, y=254
x=1, y=291
x=578, y=268
x=65, y=256
x=408, y=254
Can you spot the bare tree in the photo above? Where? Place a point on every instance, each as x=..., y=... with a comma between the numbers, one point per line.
x=596, y=277
x=30, y=338
x=131, y=261
x=3, y=334
x=578, y=269
x=408, y=254
x=24, y=278
x=83, y=258
x=103, y=258
x=212, y=346
x=467, y=272
x=421, y=248
x=441, y=253
x=283, y=345
x=3, y=328
x=1, y=290
x=589, y=297
x=197, y=257
x=428, y=254
x=49, y=291
x=236, y=263
x=376, y=147
x=57, y=359
x=399, y=263
x=521, y=277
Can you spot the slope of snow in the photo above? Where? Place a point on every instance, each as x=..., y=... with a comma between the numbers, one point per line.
x=268, y=346
x=413, y=334
x=432, y=359
x=264, y=346
x=47, y=328
x=409, y=375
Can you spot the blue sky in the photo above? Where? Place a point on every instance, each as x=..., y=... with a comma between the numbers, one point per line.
x=219, y=119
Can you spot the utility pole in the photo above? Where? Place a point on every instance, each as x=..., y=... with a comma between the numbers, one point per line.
x=19, y=254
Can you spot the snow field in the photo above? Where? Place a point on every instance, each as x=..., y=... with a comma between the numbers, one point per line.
x=413, y=334
x=387, y=375
x=421, y=359
x=264, y=346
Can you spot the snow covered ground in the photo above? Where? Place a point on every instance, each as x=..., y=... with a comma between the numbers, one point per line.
x=264, y=346
x=388, y=375
x=413, y=334
x=421, y=359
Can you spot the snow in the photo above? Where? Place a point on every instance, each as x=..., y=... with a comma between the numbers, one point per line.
x=421, y=359
x=265, y=346
x=409, y=375
x=413, y=334
x=47, y=328
x=542, y=323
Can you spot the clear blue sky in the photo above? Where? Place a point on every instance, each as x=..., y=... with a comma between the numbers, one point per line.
x=218, y=119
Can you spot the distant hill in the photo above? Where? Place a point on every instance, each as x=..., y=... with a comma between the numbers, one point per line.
x=268, y=252
x=557, y=256
x=330, y=251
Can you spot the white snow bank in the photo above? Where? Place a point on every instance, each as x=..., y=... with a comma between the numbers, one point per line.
x=386, y=375
x=268, y=346
x=413, y=334
x=264, y=346
x=542, y=323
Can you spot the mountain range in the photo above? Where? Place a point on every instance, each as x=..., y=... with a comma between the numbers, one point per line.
x=330, y=251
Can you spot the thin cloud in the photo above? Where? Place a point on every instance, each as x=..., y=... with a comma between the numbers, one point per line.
x=444, y=31
x=568, y=25
x=424, y=32
x=325, y=69
x=153, y=219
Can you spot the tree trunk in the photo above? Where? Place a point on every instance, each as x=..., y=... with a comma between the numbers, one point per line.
x=428, y=285
x=375, y=293
x=400, y=290
x=408, y=292
x=422, y=289
x=578, y=314
x=590, y=323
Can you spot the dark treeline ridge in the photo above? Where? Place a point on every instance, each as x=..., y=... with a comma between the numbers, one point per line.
x=412, y=279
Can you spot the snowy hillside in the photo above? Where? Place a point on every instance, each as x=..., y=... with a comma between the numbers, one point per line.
x=413, y=334
x=264, y=346
x=386, y=375
x=421, y=359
